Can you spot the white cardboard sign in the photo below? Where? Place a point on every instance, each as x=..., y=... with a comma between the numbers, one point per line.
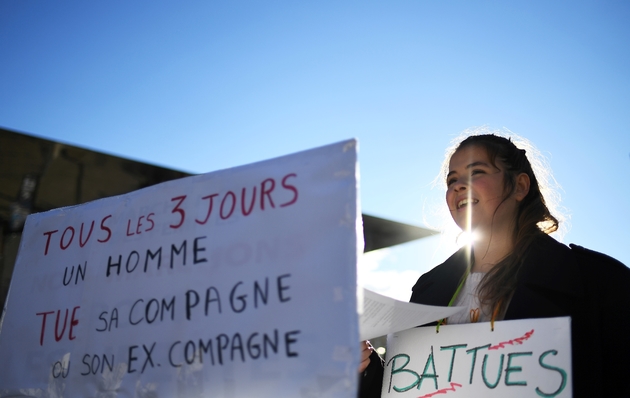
x=522, y=358
x=240, y=282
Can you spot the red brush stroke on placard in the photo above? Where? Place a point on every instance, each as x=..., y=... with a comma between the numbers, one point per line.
x=442, y=391
x=518, y=340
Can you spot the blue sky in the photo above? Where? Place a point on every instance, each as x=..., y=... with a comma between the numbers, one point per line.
x=201, y=85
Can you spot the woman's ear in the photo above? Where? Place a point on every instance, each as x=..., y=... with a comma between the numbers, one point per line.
x=522, y=186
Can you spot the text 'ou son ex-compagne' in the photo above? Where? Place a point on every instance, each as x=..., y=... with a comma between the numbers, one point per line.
x=213, y=350
x=269, y=194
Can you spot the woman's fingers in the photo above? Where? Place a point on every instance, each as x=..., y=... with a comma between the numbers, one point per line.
x=366, y=351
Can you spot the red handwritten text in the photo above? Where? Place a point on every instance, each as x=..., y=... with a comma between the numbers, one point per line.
x=518, y=340
x=144, y=224
x=59, y=334
x=269, y=194
x=442, y=391
x=66, y=238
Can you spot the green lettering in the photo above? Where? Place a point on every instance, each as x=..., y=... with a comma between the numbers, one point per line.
x=483, y=372
x=454, y=348
x=474, y=359
x=509, y=369
x=563, y=375
x=433, y=375
x=401, y=369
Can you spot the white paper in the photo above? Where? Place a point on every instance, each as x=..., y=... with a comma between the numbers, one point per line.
x=240, y=282
x=520, y=358
x=382, y=315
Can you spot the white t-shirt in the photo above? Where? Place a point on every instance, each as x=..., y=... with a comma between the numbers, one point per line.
x=468, y=298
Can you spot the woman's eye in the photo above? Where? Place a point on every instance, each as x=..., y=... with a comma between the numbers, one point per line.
x=477, y=171
x=450, y=181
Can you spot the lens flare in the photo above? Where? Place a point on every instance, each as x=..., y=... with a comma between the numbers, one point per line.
x=466, y=238
x=469, y=213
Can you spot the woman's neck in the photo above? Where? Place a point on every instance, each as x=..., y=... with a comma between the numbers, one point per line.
x=490, y=249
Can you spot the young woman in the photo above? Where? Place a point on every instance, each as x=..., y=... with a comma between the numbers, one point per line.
x=514, y=270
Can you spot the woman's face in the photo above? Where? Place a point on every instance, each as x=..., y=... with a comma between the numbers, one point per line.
x=475, y=194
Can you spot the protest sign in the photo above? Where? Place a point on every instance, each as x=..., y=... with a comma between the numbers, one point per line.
x=382, y=315
x=240, y=282
x=521, y=358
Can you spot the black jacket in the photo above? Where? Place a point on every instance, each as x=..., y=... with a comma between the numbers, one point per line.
x=555, y=280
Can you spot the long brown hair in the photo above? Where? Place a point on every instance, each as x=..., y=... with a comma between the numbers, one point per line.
x=533, y=217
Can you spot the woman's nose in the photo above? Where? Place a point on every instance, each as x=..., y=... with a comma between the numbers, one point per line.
x=460, y=185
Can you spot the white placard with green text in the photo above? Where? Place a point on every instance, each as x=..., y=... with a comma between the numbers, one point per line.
x=522, y=358
x=236, y=283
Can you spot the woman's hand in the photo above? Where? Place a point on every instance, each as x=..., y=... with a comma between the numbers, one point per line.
x=366, y=351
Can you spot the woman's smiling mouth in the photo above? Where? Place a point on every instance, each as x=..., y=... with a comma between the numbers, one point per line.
x=465, y=202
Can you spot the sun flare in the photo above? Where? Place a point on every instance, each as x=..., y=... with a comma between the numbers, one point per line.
x=466, y=238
